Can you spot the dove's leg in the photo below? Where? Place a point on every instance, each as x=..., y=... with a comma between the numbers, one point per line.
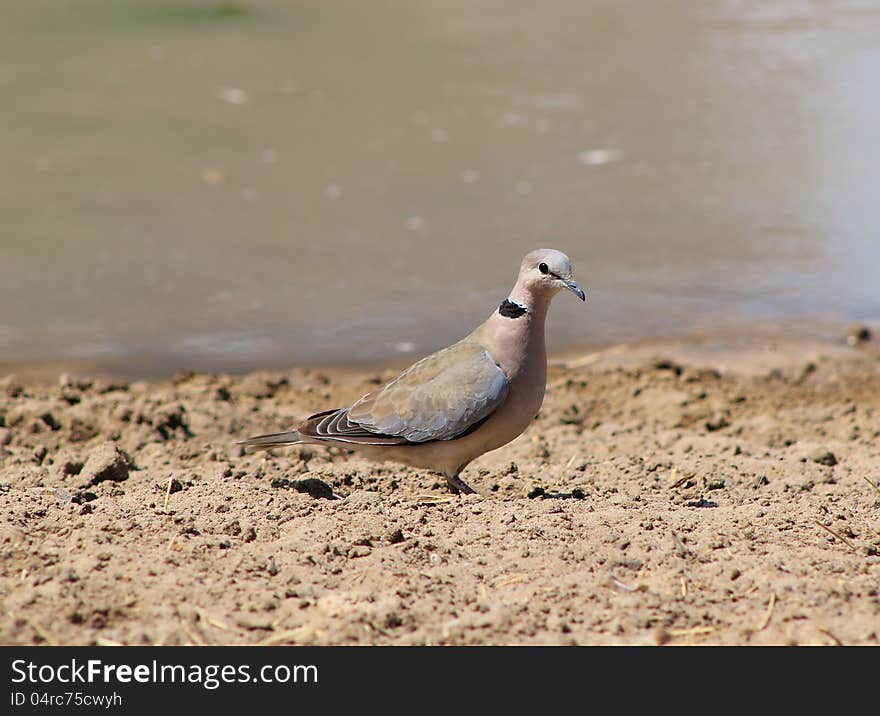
x=457, y=486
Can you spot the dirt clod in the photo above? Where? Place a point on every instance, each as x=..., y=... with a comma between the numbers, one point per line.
x=857, y=334
x=105, y=462
x=310, y=486
x=396, y=536
x=823, y=456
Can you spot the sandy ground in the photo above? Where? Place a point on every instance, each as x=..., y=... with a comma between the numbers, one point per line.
x=680, y=492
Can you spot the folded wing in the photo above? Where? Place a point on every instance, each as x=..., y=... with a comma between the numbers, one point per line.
x=442, y=397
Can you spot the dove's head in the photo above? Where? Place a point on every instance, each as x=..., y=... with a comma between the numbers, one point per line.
x=545, y=272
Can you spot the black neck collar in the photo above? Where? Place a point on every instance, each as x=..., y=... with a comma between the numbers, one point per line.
x=510, y=309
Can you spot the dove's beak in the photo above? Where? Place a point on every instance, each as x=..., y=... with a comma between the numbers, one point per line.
x=576, y=290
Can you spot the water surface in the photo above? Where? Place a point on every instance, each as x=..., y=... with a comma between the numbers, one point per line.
x=227, y=185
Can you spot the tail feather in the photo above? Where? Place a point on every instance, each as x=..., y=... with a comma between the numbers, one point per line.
x=265, y=442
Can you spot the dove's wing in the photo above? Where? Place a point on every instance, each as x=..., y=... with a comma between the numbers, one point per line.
x=441, y=397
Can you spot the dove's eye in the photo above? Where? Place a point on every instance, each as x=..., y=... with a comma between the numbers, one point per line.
x=543, y=268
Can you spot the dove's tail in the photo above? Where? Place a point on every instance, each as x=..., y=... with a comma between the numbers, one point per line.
x=265, y=442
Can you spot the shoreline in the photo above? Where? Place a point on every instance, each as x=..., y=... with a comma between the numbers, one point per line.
x=704, y=343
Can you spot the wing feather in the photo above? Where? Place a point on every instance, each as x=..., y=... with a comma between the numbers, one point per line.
x=441, y=397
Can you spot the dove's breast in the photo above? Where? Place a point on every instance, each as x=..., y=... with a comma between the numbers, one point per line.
x=518, y=348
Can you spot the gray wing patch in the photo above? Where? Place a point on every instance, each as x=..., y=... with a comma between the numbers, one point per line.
x=439, y=398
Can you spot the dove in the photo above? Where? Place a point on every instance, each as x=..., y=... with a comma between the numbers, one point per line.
x=451, y=407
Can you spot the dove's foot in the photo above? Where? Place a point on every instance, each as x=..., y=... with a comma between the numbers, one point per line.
x=457, y=486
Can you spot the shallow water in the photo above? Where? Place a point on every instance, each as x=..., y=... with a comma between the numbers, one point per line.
x=228, y=185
